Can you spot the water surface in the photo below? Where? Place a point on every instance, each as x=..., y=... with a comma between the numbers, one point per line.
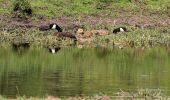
x=73, y=72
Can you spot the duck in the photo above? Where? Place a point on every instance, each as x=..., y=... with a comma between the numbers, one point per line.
x=120, y=29
x=50, y=26
x=53, y=50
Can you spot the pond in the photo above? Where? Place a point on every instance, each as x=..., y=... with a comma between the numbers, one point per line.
x=74, y=72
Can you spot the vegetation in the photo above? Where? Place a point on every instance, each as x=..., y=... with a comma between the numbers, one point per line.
x=141, y=94
x=77, y=11
x=147, y=20
x=137, y=38
x=51, y=8
x=22, y=8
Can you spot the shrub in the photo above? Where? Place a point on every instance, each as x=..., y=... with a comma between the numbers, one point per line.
x=22, y=8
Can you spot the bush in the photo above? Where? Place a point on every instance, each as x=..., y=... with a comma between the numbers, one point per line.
x=22, y=8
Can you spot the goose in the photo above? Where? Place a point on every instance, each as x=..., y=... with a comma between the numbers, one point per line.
x=54, y=50
x=120, y=29
x=50, y=26
x=55, y=26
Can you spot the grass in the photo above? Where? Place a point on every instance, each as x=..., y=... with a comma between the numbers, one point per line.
x=77, y=10
x=138, y=38
x=141, y=94
x=51, y=8
x=158, y=4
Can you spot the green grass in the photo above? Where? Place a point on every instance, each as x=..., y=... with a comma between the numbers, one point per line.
x=138, y=38
x=158, y=4
x=77, y=9
x=51, y=8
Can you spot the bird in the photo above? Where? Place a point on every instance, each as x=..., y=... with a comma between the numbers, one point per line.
x=62, y=35
x=54, y=50
x=120, y=29
x=50, y=26
x=55, y=26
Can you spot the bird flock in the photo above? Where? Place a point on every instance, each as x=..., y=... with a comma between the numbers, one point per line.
x=81, y=35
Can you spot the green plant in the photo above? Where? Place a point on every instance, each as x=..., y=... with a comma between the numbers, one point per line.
x=22, y=8
x=102, y=4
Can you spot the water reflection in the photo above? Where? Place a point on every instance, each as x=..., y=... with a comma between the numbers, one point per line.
x=74, y=72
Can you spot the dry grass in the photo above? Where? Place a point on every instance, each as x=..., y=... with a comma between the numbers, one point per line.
x=141, y=94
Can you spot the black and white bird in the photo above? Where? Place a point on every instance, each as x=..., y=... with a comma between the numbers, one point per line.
x=51, y=26
x=120, y=29
x=54, y=50
x=55, y=26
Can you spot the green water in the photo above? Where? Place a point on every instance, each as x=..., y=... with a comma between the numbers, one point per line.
x=73, y=72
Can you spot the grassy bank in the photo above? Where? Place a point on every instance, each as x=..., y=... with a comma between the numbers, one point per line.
x=147, y=20
x=51, y=8
x=138, y=38
x=148, y=23
x=141, y=94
